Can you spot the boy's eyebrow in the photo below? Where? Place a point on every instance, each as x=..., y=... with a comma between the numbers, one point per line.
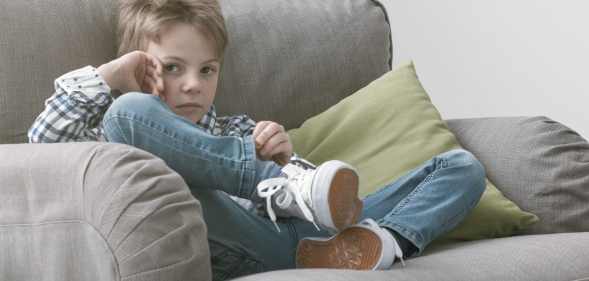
x=182, y=60
x=212, y=60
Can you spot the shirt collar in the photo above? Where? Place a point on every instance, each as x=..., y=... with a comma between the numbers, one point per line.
x=209, y=120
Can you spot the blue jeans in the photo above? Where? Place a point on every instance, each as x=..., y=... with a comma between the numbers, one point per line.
x=420, y=206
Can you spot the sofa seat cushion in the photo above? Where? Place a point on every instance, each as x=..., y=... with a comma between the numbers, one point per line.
x=549, y=257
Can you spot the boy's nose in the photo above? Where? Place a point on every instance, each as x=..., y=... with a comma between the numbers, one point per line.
x=191, y=85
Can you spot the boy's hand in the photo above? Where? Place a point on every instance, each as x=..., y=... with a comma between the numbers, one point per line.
x=134, y=72
x=272, y=142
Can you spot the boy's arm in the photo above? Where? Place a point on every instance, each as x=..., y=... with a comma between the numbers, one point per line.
x=74, y=112
x=276, y=146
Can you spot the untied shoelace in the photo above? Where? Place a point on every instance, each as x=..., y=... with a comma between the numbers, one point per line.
x=295, y=177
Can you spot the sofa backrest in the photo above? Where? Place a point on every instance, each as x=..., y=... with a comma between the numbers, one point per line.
x=538, y=163
x=286, y=60
x=40, y=40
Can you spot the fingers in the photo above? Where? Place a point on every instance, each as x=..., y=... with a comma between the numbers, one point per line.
x=156, y=80
x=150, y=85
x=156, y=70
x=264, y=130
x=274, y=145
x=282, y=154
x=272, y=142
x=153, y=76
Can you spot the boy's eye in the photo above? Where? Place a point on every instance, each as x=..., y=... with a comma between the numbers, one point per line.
x=171, y=68
x=207, y=70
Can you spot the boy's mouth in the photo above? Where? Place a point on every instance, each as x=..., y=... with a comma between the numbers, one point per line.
x=188, y=104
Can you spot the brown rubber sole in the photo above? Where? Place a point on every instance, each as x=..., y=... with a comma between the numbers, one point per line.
x=344, y=205
x=354, y=248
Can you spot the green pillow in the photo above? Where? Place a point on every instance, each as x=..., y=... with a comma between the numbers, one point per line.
x=393, y=118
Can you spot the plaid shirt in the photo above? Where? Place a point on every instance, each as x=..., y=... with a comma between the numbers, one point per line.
x=75, y=111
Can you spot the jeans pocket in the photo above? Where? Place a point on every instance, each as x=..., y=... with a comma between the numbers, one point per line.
x=230, y=263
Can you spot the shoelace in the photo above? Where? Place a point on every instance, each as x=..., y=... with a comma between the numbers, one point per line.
x=268, y=188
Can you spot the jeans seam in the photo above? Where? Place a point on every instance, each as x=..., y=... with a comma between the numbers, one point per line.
x=415, y=237
x=407, y=233
x=114, y=126
x=246, y=179
x=416, y=190
x=162, y=131
x=243, y=164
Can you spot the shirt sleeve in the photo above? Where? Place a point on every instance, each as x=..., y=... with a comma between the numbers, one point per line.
x=234, y=126
x=74, y=112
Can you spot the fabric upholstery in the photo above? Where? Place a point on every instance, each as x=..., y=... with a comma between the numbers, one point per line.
x=552, y=257
x=69, y=207
x=39, y=41
x=97, y=211
x=539, y=163
x=289, y=60
x=387, y=129
x=288, y=54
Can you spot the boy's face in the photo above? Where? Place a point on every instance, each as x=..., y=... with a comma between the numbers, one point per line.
x=190, y=69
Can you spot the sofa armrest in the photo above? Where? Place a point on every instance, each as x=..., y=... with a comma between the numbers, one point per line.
x=97, y=211
x=540, y=164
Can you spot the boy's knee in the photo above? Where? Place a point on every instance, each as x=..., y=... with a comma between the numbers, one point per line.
x=118, y=121
x=461, y=157
x=470, y=168
x=133, y=102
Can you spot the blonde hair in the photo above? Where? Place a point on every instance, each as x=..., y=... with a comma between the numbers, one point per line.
x=141, y=21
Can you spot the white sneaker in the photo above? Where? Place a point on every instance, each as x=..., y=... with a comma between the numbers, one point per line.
x=364, y=246
x=326, y=196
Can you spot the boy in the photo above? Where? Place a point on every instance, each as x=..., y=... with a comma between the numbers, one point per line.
x=173, y=49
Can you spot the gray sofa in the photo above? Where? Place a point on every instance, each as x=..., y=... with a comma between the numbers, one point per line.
x=101, y=211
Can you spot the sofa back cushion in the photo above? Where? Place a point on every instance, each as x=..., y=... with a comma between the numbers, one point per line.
x=286, y=60
x=40, y=40
x=540, y=164
x=290, y=60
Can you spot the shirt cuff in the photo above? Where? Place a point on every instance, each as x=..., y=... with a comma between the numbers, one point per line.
x=85, y=84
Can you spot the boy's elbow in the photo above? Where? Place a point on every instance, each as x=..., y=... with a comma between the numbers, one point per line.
x=35, y=135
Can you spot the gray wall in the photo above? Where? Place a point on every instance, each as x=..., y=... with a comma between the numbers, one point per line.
x=498, y=58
